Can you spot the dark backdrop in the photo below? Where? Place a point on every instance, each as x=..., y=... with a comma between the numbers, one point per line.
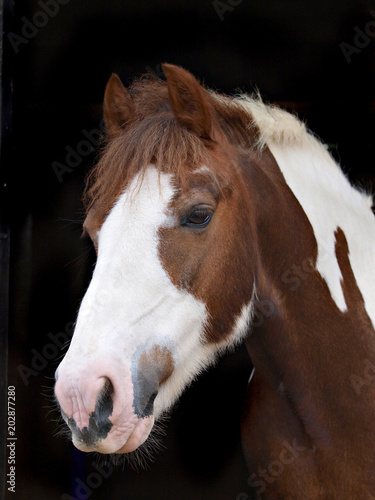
x=314, y=58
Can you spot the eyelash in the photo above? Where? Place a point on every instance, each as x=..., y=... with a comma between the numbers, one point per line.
x=198, y=218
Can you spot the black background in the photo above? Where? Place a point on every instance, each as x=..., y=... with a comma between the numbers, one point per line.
x=292, y=52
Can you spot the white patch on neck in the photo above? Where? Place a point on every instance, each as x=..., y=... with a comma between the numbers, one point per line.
x=243, y=321
x=329, y=202
x=326, y=196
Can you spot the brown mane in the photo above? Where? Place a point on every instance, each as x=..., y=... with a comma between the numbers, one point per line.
x=153, y=136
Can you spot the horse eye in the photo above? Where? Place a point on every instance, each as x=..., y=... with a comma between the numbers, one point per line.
x=198, y=218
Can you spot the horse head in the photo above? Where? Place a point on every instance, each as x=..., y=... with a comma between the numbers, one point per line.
x=171, y=220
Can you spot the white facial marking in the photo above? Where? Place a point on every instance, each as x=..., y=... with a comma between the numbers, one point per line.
x=131, y=300
x=132, y=305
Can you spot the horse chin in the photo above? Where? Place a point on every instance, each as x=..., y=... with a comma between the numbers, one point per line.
x=138, y=436
x=112, y=443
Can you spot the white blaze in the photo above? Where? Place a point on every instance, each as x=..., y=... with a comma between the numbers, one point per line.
x=131, y=303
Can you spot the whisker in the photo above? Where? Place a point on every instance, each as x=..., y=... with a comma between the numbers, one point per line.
x=140, y=458
x=70, y=221
x=80, y=259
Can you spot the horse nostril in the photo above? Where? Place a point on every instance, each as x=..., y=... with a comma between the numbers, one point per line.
x=99, y=420
x=149, y=407
x=99, y=423
x=104, y=403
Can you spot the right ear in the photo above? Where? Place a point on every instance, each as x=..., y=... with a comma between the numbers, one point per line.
x=118, y=106
x=188, y=100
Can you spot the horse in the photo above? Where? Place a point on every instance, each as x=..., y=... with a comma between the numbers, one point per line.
x=222, y=220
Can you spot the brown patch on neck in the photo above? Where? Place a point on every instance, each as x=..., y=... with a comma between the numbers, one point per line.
x=352, y=294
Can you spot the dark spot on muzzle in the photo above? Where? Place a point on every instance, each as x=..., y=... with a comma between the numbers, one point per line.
x=99, y=423
x=150, y=368
x=145, y=392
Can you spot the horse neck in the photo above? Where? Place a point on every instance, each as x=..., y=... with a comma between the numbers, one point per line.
x=314, y=316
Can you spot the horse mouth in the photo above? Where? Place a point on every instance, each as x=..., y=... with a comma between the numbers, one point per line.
x=114, y=441
x=108, y=431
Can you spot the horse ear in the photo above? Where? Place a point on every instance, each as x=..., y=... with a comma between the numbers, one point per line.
x=118, y=105
x=188, y=100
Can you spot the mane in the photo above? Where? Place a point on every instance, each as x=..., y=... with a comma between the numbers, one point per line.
x=274, y=124
x=155, y=137
x=281, y=128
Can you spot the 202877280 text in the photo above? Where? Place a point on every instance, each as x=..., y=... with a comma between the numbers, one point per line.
x=11, y=440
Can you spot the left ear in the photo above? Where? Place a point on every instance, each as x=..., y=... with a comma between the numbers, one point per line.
x=118, y=106
x=188, y=100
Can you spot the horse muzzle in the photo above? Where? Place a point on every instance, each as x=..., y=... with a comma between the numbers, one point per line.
x=110, y=408
x=104, y=415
